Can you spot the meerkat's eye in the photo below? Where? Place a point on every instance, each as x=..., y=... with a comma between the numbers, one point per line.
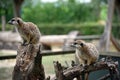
x=81, y=44
x=18, y=21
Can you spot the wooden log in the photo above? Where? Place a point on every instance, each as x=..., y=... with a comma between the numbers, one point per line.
x=75, y=71
x=28, y=63
x=59, y=71
x=49, y=40
x=9, y=36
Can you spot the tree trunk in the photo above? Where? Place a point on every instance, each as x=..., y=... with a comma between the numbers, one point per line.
x=29, y=63
x=3, y=22
x=17, y=7
x=105, y=39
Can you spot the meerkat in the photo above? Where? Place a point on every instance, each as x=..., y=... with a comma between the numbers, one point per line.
x=28, y=31
x=86, y=53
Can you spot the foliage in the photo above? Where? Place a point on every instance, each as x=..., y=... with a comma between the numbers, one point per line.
x=62, y=16
x=6, y=8
x=60, y=12
x=85, y=29
x=103, y=13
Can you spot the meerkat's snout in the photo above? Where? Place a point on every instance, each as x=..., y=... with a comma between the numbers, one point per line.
x=76, y=44
x=73, y=44
x=10, y=22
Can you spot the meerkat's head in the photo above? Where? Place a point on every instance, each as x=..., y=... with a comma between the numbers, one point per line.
x=16, y=21
x=79, y=44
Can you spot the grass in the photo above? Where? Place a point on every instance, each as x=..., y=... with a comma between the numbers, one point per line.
x=6, y=73
x=48, y=61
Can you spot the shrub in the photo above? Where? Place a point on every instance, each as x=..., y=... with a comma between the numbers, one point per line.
x=85, y=29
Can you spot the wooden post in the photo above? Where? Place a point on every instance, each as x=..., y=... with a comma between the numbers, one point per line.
x=29, y=63
x=105, y=39
x=3, y=22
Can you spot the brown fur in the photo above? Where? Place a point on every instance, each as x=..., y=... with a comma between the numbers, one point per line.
x=28, y=31
x=86, y=52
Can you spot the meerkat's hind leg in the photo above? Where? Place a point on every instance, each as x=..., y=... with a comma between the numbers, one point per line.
x=32, y=40
x=86, y=76
x=91, y=62
x=81, y=62
x=87, y=63
x=25, y=41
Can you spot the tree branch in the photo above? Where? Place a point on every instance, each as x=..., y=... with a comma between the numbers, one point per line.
x=76, y=71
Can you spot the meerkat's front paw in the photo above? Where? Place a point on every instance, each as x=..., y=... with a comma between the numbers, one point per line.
x=24, y=44
x=86, y=66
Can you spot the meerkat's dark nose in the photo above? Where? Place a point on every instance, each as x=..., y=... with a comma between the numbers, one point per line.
x=73, y=44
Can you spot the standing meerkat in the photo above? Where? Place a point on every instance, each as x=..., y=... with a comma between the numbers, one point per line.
x=28, y=31
x=86, y=53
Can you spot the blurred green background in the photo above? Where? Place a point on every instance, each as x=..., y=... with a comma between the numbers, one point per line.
x=65, y=15
x=61, y=16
